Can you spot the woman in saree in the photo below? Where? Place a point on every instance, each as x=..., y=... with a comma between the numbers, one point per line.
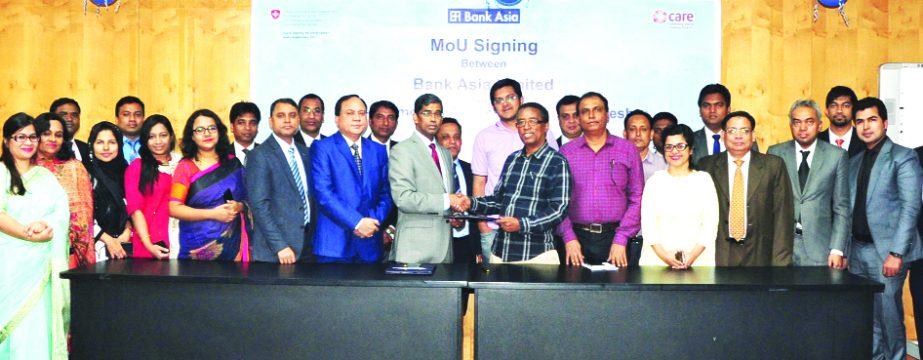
x=208, y=195
x=34, y=217
x=148, y=181
x=107, y=172
x=55, y=153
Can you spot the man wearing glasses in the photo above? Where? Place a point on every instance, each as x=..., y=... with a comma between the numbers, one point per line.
x=531, y=197
x=311, y=113
x=493, y=145
x=608, y=180
x=756, y=214
x=422, y=181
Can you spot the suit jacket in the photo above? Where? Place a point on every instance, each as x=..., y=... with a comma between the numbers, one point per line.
x=469, y=246
x=344, y=197
x=300, y=139
x=275, y=202
x=700, y=148
x=419, y=190
x=770, y=220
x=919, y=151
x=84, y=151
x=391, y=220
x=823, y=204
x=855, y=144
x=892, y=201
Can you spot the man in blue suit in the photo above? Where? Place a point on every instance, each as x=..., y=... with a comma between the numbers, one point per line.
x=277, y=182
x=349, y=180
x=885, y=182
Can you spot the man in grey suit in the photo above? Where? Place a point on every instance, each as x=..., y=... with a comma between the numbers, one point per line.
x=817, y=171
x=885, y=183
x=714, y=104
x=422, y=185
x=277, y=184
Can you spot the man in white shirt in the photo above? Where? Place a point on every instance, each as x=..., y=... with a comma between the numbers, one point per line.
x=568, y=119
x=69, y=110
x=383, y=117
x=311, y=113
x=245, y=121
x=840, y=101
x=466, y=241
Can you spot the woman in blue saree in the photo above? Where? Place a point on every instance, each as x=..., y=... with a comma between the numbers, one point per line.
x=34, y=219
x=208, y=194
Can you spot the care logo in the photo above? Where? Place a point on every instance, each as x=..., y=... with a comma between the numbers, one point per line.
x=674, y=19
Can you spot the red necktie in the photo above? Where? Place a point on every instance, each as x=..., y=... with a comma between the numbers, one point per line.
x=432, y=148
x=839, y=143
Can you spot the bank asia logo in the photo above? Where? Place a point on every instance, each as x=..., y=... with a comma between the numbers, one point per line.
x=484, y=16
x=676, y=19
x=508, y=2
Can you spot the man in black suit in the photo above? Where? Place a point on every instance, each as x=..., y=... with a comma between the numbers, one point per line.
x=466, y=240
x=568, y=119
x=714, y=105
x=69, y=110
x=311, y=114
x=383, y=121
x=245, y=121
x=840, y=101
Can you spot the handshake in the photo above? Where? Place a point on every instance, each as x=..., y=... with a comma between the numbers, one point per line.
x=459, y=202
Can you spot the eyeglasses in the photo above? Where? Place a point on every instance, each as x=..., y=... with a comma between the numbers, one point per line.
x=530, y=123
x=670, y=147
x=201, y=130
x=742, y=131
x=21, y=138
x=509, y=98
x=313, y=111
x=431, y=114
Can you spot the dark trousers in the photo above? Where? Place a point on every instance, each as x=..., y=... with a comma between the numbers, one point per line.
x=465, y=249
x=916, y=293
x=596, y=246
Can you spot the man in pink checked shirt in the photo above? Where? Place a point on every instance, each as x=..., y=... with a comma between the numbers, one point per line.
x=605, y=207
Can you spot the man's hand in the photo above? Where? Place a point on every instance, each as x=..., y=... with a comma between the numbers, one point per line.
x=386, y=237
x=836, y=262
x=459, y=202
x=574, y=253
x=367, y=227
x=617, y=255
x=892, y=266
x=286, y=256
x=509, y=224
x=457, y=223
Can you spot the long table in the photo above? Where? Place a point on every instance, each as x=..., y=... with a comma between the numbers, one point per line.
x=135, y=309
x=551, y=312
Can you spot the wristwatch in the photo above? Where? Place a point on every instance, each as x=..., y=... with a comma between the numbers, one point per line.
x=894, y=254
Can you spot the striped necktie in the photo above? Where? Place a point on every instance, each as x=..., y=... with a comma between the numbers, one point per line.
x=299, y=183
x=356, y=157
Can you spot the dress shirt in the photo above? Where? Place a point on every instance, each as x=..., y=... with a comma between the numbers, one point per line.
x=300, y=163
x=745, y=170
x=565, y=140
x=239, y=151
x=130, y=148
x=846, y=138
x=536, y=190
x=653, y=162
x=77, y=151
x=491, y=148
x=445, y=172
x=308, y=139
x=462, y=188
x=607, y=187
x=710, y=139
x=387, y=143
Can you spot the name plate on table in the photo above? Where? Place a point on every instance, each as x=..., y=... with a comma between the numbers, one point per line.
x=411, y=269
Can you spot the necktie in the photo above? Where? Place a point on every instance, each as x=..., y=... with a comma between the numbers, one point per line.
x=839, y=143
x=716, y=147
x=737, y=228
x=298, y=183
x=457, y=184
x=356, y=157
x=432, y=148
x=244, y=160
x=803, y=169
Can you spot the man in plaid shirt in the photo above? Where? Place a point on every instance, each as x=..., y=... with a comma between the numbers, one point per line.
x=532, y=195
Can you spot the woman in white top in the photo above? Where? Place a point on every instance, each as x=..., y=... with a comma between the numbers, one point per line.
x=679, y=209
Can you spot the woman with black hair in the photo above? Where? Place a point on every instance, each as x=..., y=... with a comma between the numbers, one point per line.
x=55, y=153
x=33, y=249
x=208, y=195
x=107, y=170
x=147, y=189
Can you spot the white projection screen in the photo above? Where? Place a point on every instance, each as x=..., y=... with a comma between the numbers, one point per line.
x=640, y=54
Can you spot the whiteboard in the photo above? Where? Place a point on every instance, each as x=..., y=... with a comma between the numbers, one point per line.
x=900, y=87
